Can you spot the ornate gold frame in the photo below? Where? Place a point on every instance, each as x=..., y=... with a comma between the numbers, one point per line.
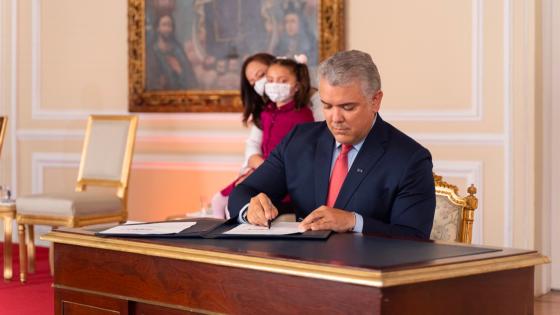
x=468, y=205
x=331, y=21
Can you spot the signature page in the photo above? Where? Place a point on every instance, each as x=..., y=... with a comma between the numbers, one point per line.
x=277, y=228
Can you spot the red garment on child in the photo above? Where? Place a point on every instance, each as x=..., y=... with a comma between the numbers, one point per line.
x=276, y=124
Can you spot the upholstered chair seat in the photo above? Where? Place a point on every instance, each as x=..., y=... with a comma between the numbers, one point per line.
x=70, y=204
x=454, y=215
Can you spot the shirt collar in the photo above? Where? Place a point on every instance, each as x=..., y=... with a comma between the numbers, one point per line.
x=271, y=106
x=358, y=145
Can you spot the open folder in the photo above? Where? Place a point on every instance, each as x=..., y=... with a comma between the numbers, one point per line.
x=212, y=228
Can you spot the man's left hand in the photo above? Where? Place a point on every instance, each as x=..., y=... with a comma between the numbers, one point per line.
x=325, y=218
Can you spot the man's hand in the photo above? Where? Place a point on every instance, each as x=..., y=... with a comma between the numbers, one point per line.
x=325, y=218
x=261, y=210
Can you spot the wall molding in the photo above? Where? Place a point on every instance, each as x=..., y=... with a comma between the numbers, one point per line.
x=550, y=241
x=473, y=113
x=39, y=113
x=14, y=96
x=220, y=136
x=207, y=162
x=472, y=172
x=508, y=129
x=555, y=146
x=141, y=136
x=40, y=161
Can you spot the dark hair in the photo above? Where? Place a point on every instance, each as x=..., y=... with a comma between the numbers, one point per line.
x=253, y=103
x=301, y=72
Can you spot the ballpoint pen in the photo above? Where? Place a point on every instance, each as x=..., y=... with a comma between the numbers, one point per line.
x=269, y=222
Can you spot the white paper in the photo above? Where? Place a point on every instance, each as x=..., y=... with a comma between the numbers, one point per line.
x=150, y=228
x=276, y=228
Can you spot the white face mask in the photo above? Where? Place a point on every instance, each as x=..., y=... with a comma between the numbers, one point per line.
x=278, y=92
x=259, y=86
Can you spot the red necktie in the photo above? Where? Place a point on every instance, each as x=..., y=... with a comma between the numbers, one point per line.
x=338, y=174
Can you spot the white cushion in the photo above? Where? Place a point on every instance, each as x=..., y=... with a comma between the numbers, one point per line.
x=69, y=204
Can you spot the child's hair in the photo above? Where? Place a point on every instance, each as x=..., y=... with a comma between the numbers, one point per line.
x=303, y=94
x=253, y=103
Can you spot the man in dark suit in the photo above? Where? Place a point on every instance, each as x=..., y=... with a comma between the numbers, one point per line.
x=353, y=172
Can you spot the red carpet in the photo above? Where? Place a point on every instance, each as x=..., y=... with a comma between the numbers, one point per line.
x=34, y=297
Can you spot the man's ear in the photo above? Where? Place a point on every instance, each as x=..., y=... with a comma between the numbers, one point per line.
x=376, y=100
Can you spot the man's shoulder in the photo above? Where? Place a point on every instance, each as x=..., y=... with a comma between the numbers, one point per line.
x=310, y=128
x=306, y=133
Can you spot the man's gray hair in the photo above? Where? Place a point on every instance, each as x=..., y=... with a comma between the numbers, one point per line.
x=349, y=66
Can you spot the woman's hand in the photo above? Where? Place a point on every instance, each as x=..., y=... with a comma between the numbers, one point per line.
x=255, y=161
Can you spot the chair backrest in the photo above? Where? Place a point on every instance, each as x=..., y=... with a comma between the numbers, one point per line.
x=107, y=152
x=454, y=215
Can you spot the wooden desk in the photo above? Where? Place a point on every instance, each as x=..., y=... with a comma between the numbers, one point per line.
x=348, y=273
x=7, y=214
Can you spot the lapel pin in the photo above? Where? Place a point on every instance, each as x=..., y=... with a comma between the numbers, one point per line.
x=359, y=170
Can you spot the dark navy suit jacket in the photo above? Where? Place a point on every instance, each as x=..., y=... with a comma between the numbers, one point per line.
x=390, y=182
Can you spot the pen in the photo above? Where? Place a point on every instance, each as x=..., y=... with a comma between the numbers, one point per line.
x=269, y=222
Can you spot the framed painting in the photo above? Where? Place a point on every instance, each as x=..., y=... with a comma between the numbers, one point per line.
x=186, y=55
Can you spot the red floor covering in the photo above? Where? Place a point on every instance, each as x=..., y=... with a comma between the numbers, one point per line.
x=36, y=296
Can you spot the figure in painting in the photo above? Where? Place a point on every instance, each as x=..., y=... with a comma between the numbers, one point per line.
x=168, y=66
x=295, y=35
x=198, y=44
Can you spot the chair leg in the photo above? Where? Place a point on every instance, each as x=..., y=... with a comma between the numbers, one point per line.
x=8, y=271
x=22, y=254
x=51, y=258
x=31, y=248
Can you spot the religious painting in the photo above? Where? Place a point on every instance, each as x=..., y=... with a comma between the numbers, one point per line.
x=186, y=55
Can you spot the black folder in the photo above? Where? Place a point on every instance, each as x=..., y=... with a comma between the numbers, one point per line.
x=215, y=228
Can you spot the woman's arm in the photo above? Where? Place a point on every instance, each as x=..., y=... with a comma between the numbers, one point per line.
x=253, y=152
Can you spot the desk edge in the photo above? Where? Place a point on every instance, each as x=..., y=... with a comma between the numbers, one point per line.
x=303, y=269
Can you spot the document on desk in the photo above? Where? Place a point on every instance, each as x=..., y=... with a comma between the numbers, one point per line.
x=160, y=228
x=277, y=228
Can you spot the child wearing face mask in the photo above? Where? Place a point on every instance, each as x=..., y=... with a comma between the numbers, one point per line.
x=286, y=88
x=287, y=91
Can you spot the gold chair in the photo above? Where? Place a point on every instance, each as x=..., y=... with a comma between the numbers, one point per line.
x=106, y=158
x=454, y=215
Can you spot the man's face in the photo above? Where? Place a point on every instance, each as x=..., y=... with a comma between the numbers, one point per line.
x=291, y=22
x=348, y=113
x=165, y=27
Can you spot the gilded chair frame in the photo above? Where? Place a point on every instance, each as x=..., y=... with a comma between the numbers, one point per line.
x=28, y=251
x=3, y=126
x=83, y=183
x=468, y=205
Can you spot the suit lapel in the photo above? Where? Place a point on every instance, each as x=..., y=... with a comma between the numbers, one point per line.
x=322, y=166
x=371, y=152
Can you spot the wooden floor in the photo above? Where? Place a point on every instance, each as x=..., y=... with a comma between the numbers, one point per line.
x=548, y=304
